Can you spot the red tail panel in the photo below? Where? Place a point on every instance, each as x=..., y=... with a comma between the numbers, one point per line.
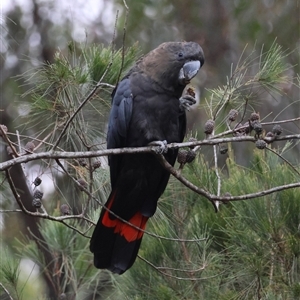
x=129, y=232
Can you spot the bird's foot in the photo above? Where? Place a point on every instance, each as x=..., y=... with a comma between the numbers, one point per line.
x=186, y=101
x=162, y=146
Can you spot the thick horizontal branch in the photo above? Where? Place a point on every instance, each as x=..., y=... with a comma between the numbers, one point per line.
x=149, y=149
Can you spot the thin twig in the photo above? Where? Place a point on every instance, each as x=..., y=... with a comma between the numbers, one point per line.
x=4, y=211
x=8, y=142
x=281, y=122
x=23, y=165
x=90, y=95
x=244, y=113
x=231, y=131
x=183, y=270
x=173, y=276
x=124, y=37
x=217, y=203
x=40, y=142
x=114, y=34
x=20, y=151
x=91, y=173
x=6, y=291
x=285, y=160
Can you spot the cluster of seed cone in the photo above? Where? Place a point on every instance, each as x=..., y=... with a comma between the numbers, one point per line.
x=187, y=156
x=253, y=124
x=37, y=195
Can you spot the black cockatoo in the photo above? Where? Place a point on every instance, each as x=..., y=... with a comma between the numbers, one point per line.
x=147, y=106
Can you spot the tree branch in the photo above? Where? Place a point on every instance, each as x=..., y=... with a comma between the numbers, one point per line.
x=159, y=269
x=6, y=291
x=211, y=197
x=149, y=149
x=43, y=215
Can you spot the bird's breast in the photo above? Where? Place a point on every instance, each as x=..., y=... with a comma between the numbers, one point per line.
x=154, y=118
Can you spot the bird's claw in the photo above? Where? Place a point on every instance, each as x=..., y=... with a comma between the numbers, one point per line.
x=162, y=146
x=186, y=101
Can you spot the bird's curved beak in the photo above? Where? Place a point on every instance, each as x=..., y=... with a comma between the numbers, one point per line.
x=189, y=71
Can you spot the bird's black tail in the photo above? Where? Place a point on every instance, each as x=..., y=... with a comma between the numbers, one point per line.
x=115, y=244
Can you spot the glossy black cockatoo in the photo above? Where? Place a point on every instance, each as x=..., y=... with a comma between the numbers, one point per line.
x=147, y=106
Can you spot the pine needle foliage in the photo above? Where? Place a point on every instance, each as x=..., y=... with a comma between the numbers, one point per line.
x=73, y=273
x=9, y=273
x=253, y=77
x=272, y=67
x=57, y=90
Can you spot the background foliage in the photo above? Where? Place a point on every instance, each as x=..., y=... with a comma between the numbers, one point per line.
x=52, y=55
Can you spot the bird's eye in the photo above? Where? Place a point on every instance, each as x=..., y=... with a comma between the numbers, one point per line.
x=180, y=54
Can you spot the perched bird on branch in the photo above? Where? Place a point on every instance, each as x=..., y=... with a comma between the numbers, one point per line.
x=147, y=108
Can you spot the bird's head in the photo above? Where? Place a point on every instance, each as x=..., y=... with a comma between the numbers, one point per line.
x=173, y=64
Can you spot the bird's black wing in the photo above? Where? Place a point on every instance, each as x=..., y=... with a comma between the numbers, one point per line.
x=153, y=113
x=118, y=124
